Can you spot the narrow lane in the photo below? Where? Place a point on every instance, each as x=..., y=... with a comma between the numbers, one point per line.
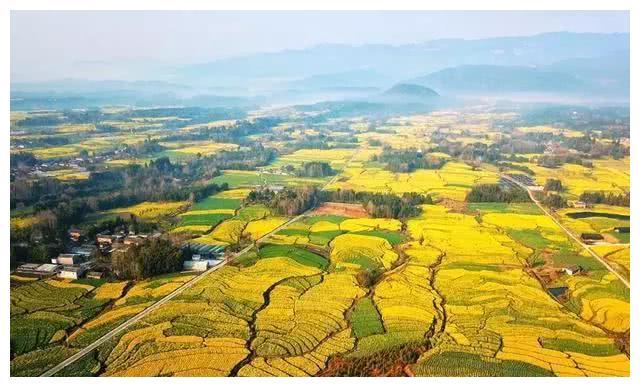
x=120, y=328
x=568, y=232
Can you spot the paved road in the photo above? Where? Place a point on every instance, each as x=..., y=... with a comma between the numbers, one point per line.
x=568, y=232
x=120, y=328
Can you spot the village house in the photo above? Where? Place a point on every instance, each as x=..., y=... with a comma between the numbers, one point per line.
x=572, y=270
x=591, y=238
x=134, y=239
x=86, y=251
x=104, y=239
x=579, y=204
x=40, y=270
x=95, y=275
x=275, y=188
x=67, y=259
x=72, y=272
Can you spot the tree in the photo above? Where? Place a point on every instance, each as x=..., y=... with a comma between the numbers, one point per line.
x=154, y=256
x=315, y=169
x=553, y=185
x=599, y=197
x=555, y=201
x=486, y=193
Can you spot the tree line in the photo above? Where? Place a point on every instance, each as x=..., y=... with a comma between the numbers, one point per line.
x=407, y=160
x=288, y=201
x=610, y=198
x=486, y=193
x=291, y=201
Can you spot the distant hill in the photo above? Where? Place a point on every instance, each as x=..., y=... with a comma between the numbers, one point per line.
x=607, y=73
x=84, y=94
x=587, y=65
x=602, y=75
x=403, y=61
x=410, y=90
x=352, y=79
x=490, y=79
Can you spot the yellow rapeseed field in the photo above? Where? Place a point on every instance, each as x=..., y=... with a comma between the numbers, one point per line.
x=110, y=290
x=256, y=229
x=152, y=210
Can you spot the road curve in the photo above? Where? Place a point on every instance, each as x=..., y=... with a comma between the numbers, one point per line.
x=568, y=232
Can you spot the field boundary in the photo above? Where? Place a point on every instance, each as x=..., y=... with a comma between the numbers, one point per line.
x=568, y=232
x=86, y=350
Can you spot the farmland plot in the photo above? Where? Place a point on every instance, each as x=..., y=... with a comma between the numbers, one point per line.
x=498, y=313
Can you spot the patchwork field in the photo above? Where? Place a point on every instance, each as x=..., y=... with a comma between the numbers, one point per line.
x=336, y=157
x=605, y=175
x=453, y=181
x=449, y=288
x=44, y=313
x=612, y=222
x=500, y=317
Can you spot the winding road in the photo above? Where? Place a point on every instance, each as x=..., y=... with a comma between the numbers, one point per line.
x=568, y=232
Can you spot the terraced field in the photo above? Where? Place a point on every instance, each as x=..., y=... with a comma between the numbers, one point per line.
x=44, y=314
x=328, y=293
x=498, y=313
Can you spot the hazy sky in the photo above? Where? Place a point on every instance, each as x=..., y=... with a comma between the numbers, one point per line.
x=105, y=45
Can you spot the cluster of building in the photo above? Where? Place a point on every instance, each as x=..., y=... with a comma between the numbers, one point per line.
x=108, y=243
x=73, y=265
x=79, y=262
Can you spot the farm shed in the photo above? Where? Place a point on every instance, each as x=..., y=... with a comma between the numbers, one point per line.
x=67, y=259
x=572, y=270
x=591, y=237
x=44, y=270
x=95, y=275
x=72, y=272
x=195, y=265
